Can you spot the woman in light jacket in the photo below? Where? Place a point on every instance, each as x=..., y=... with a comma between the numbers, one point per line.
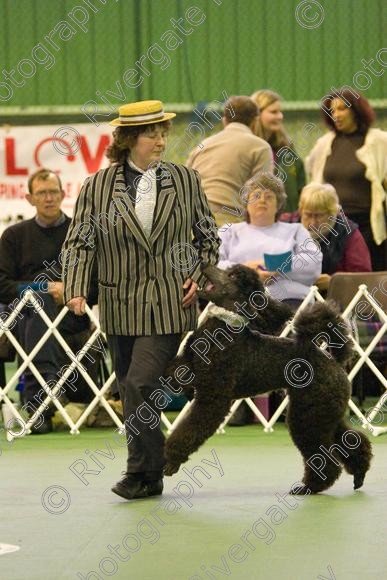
x=353, y=158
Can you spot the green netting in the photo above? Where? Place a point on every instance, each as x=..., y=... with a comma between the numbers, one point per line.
x=68, y=52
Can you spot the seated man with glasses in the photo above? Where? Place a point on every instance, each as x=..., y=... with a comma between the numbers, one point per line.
x=30, y=259
x=343, y=246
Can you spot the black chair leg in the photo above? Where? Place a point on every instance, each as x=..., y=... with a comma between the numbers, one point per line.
x=2, y=373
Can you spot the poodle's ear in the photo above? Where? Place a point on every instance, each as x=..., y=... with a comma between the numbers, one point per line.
x=271, y=316
x=248, y=279
x=281, y=311
x=261, y=325
x=259, y=321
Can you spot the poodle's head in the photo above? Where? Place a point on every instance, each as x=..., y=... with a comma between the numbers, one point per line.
x=226, y=287
x=241, y=290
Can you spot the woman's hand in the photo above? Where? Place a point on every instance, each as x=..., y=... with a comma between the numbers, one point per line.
x=56, y=291
x=258, y=266
x=265, y=274
x=77, y=305
x=190, y=295
x=255, y=264
x=322, y=281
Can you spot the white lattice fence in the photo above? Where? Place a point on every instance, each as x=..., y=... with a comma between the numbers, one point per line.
x=53, y=390
x=371, y=422
x=366, y=422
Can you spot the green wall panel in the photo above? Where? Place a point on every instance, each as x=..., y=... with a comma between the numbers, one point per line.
x=240, y=46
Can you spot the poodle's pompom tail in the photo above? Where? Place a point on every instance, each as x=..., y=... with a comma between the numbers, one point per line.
x=322, y=325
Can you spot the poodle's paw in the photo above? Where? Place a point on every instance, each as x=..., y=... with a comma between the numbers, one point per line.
x=171, y=468
x=300, y=489
x=358, y=479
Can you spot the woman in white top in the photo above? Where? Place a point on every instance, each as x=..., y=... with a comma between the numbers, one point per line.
x=353, y=158
x=286, y=257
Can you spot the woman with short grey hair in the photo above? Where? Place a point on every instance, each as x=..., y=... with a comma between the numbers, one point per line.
x=284, y=255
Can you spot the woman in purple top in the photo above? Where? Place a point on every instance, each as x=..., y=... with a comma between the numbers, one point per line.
x=260, y=241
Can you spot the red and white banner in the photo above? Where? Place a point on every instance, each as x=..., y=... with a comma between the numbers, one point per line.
x=73, y=151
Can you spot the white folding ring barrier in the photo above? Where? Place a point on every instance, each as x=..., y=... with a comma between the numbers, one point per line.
x=370, y=422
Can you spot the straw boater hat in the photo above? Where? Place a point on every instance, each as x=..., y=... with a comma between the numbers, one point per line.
x=141, y=113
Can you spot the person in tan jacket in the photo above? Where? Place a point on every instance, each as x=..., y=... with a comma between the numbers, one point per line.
x=226, y=160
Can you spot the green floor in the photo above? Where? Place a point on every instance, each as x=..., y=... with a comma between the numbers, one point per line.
x=341, y=534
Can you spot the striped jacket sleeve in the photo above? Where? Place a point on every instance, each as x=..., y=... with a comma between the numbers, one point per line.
x=79, y=248
x=205, y=234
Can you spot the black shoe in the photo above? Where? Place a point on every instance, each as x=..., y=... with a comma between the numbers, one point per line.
x=42, y=429
x=154, y=487
x=130, y=487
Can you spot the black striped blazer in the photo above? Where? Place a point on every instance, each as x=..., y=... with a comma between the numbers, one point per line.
x=138, y=275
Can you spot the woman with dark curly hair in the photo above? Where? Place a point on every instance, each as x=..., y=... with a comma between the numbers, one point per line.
x=353, y=158
x=125, y=139
x=149, y=248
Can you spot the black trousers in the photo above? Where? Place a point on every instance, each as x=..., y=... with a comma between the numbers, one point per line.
x=138, y=362
x=378, y=253
x=51, y=357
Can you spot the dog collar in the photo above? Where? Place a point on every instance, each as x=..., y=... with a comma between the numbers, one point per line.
x=226, y=316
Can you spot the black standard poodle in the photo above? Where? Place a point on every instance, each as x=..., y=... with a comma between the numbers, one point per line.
x=234, y=354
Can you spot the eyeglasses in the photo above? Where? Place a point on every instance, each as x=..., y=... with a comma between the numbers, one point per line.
x=45, y=192
x=318, y=215
x=262, y=195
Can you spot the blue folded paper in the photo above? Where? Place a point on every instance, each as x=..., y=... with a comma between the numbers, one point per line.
x=275, y=262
